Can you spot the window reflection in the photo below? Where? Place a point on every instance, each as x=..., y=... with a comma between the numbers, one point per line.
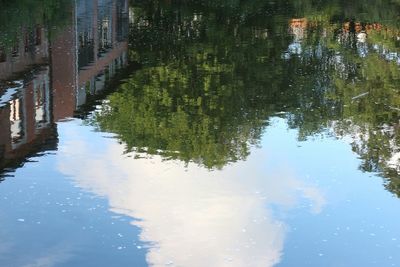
x=105, y=36
x=105, y=27
x=41, y=99
x=17, y=121
x=85, y=33
x=2, y=55
x=32, y=38
x=122, y=20
x=15, y=50
x=86, y=49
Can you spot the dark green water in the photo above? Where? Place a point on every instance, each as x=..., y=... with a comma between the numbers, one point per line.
x=199, y=133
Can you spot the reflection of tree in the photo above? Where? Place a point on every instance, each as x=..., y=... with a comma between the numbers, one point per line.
x=182, y=113
x=212, y=75
x=355, y=94
x=374, y=115
x=204, y=93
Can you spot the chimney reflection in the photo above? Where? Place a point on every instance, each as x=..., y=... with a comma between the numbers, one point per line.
x=44, y=81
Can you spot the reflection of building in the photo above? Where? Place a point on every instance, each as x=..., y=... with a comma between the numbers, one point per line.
x=84, y=57
x=25, y=118
x=95, y=46
x=356, y=34
x=350, y=34
x=32, y=49
x=298, y=28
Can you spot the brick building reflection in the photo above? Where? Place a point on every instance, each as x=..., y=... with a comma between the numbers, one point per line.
x=43, y=81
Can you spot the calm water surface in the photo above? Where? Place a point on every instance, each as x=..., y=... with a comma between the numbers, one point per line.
x=199, y=133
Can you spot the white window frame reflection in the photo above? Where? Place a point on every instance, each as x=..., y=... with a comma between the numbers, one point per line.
x=17, y=122
x=41, y=93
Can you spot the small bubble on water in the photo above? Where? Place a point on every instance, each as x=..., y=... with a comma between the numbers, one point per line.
x=21, y=220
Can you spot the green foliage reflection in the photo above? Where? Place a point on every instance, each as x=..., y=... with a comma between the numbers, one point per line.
x=215, y=71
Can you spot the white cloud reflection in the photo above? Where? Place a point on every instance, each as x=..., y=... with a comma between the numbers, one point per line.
x=53, y=257
x=191, y=216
